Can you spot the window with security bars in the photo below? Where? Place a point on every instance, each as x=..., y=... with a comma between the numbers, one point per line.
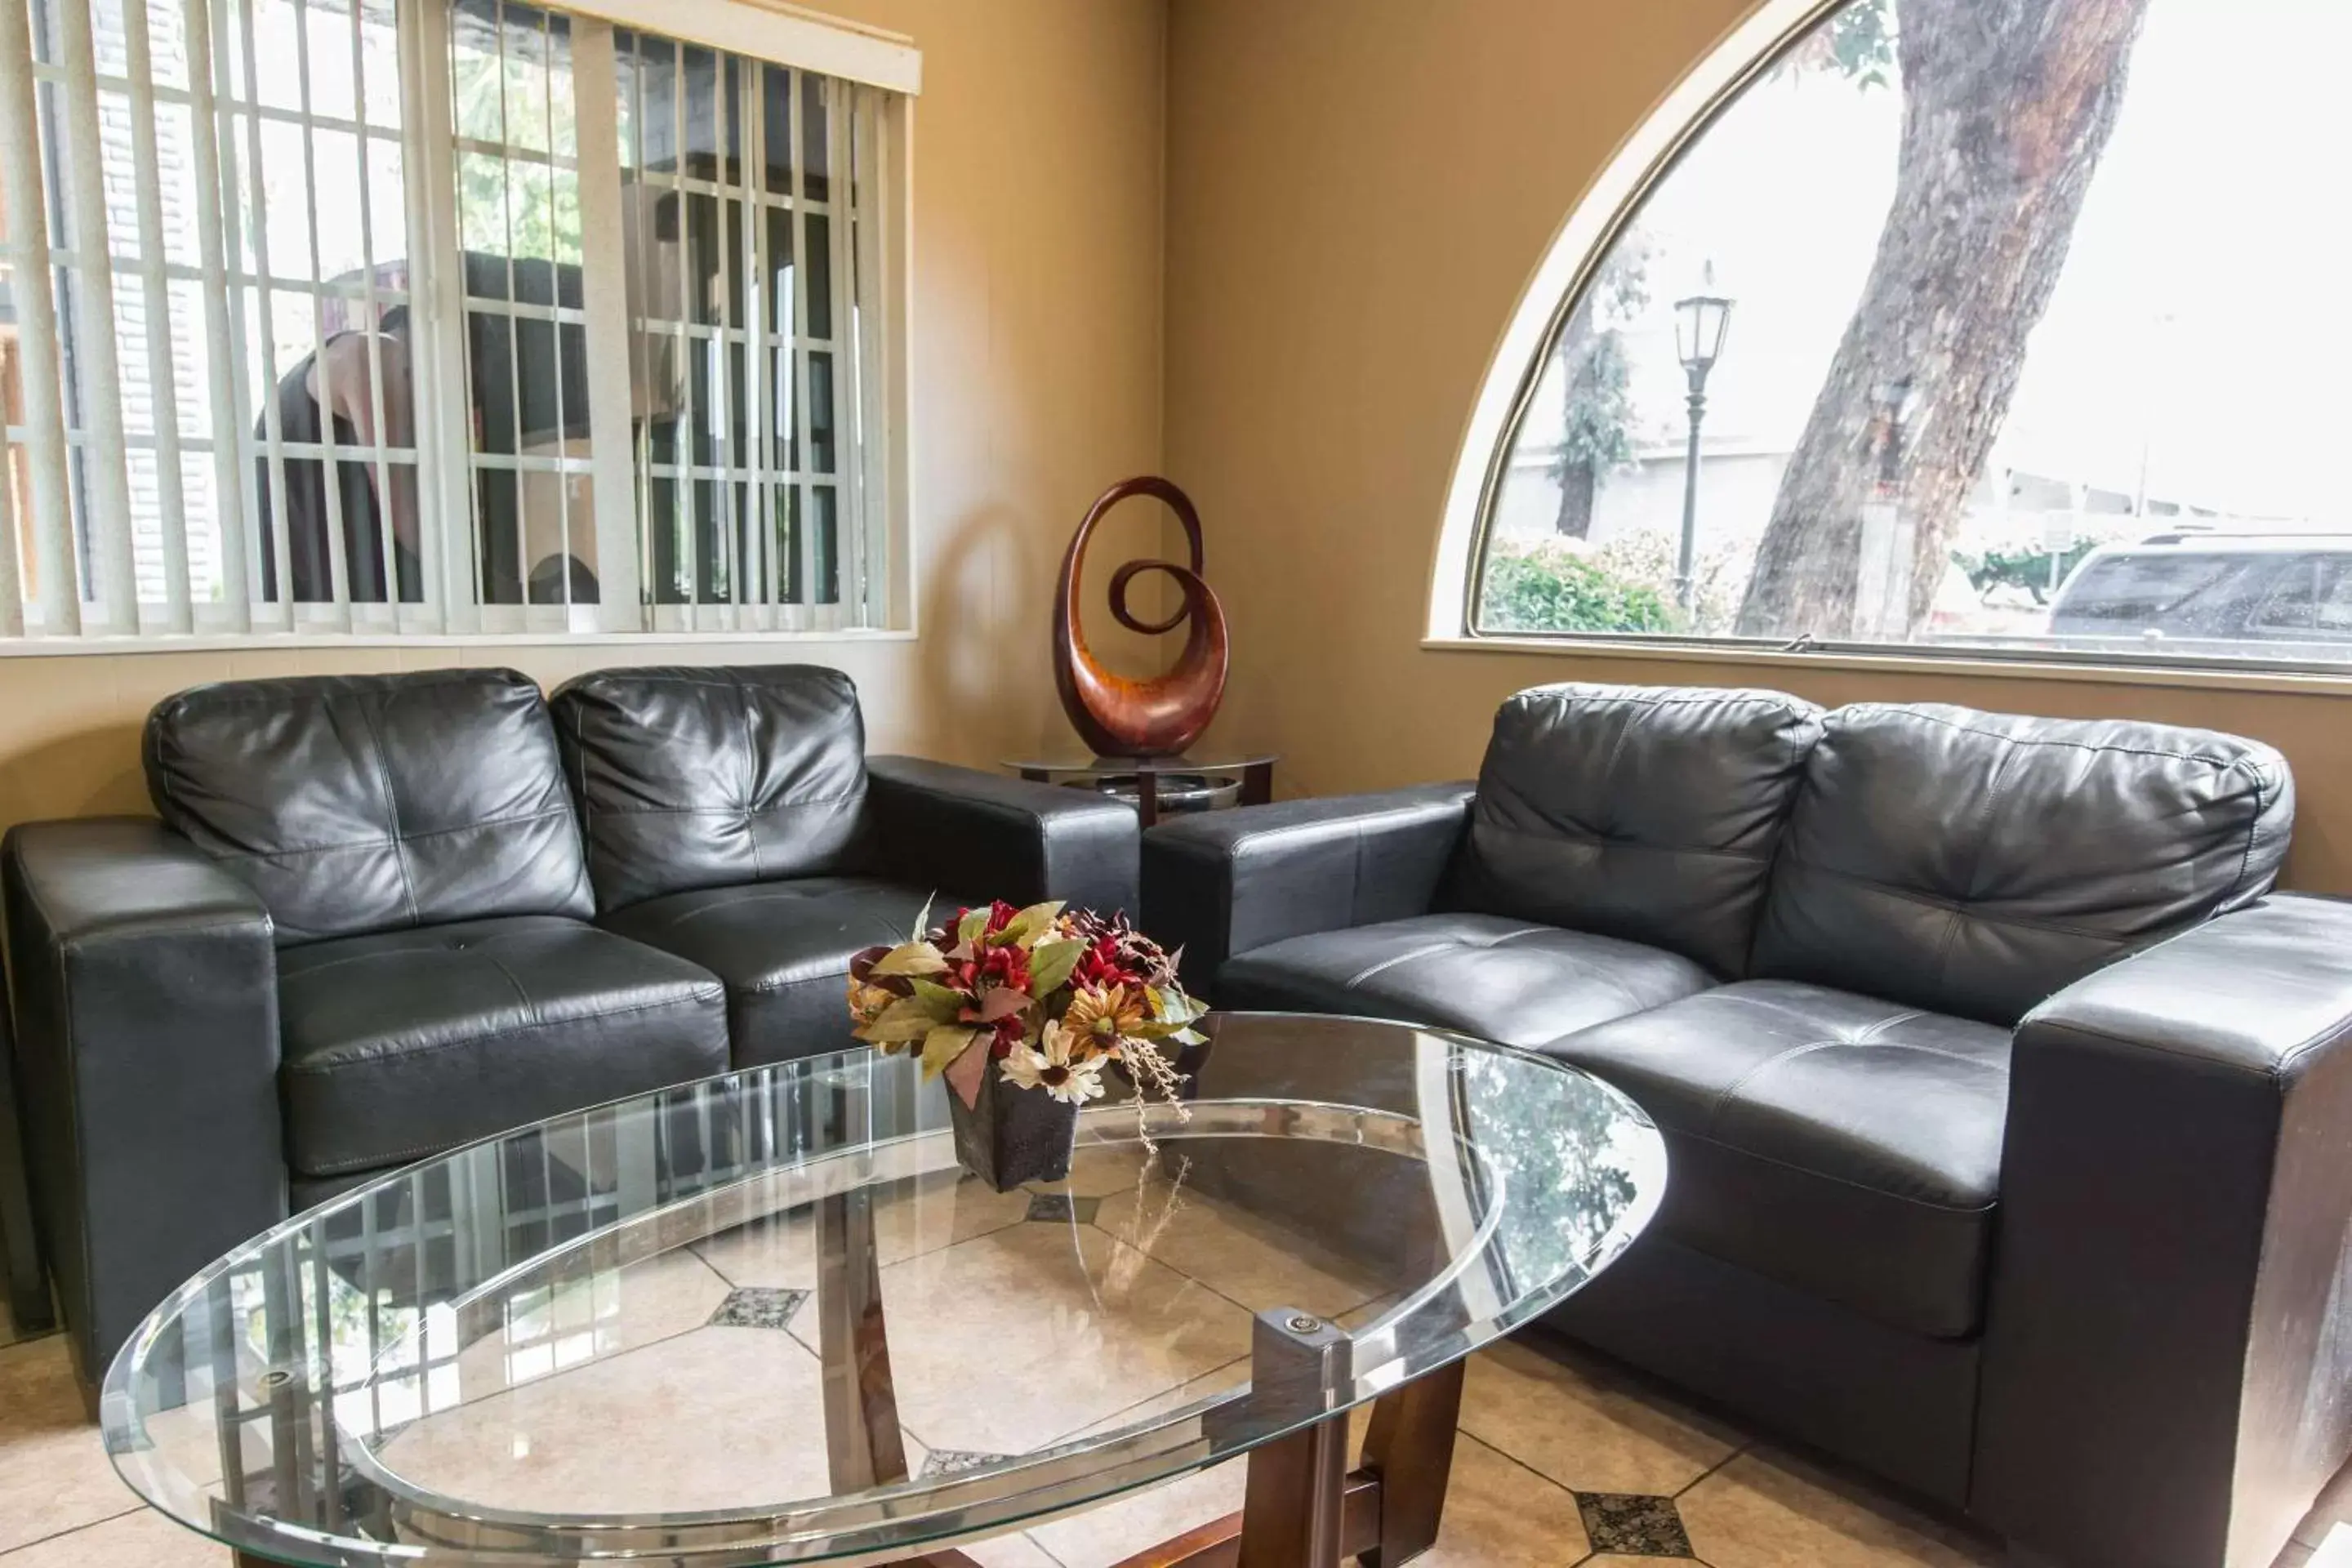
x=449, y=316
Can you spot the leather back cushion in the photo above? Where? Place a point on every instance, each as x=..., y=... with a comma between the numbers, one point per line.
x=708, y=777
x=1648, y=812
x=356, y=804
x=1975, y=863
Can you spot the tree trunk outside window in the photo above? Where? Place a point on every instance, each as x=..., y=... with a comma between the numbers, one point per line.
x=2007, y=105
x=1578, y=484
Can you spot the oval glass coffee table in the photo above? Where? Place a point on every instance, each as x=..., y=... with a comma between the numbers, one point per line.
x=763, y=1319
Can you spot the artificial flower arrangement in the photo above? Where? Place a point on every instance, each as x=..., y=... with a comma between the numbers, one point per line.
x=1050, y=997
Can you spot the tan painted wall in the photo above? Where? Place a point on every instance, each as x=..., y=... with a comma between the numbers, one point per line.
x=1357, y=193
x=1036, y=374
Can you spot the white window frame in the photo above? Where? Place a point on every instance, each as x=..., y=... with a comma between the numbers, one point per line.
x=876, y=474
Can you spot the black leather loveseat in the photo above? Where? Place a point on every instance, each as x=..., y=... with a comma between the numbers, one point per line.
x=2008, y=1112
x=383, y=915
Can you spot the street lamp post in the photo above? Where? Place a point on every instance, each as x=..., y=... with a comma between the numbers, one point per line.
x=1700, y=323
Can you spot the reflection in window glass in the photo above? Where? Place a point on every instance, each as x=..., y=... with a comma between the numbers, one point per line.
x=1918, y=342
x=732, y=299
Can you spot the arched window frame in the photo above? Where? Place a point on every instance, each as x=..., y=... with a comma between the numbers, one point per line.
x=1687, y=111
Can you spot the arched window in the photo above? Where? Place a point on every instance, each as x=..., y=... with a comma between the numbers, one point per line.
x=2013, y=326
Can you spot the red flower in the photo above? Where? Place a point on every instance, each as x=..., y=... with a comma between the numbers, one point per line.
x=1102, y=966
x=1009, y=1031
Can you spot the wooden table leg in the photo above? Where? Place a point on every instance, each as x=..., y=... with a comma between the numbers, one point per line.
x=1409, y=1451
x=1257, y=784
x=863, y=1445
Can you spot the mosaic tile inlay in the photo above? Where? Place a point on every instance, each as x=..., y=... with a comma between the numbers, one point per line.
x=757, y=1307
x=1632, y=1524
x=955, y=1462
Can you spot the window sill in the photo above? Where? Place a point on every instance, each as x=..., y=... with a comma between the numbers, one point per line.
x=290, y=642
x=2294, y=681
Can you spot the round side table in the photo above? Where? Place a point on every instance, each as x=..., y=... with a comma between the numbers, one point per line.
x=1157, y=784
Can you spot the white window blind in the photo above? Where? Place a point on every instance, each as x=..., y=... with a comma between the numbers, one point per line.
x=446, y=316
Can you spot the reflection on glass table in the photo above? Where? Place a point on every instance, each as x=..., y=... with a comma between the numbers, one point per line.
x=761, y=1319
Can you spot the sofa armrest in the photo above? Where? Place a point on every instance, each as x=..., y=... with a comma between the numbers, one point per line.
x=2168, y=1342
x=147, y=1038
x=1225, y=882
x=984, y=836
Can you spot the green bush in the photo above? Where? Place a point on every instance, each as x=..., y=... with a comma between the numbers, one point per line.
x=1548, y=589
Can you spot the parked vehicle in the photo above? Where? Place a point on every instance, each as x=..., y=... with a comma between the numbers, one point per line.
x=2274, y=596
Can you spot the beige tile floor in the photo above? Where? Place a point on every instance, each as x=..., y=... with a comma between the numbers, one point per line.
x=1541, y=1424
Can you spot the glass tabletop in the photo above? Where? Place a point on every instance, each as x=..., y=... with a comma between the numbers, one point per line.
x=764, y=1318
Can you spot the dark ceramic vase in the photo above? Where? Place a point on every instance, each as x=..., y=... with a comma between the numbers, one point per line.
x=1011, y=1135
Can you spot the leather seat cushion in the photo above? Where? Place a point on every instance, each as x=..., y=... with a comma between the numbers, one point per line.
x=783, y=949
x=705, y=777
x=402, y=1044
x=361, y=802
x=1976, y=863
x=1498, y=979
x=1844, y=1145
x=1644, y=813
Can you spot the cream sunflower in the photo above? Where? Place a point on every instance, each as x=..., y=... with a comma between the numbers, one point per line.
x=1048, y=1065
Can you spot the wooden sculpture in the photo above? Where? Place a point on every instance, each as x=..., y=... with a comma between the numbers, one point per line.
x=1116, y=716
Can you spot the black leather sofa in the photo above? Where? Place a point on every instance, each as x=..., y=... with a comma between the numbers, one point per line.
x=380, y=916
x=2008, y=1111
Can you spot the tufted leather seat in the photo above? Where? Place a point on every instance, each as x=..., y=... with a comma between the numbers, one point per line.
x=782, y=948
x=1498, y=978
x=402, y=1044
x=724, y=811
x=1847, y=1146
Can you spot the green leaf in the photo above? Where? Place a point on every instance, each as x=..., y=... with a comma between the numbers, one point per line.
x=946, y=1004
x=942, y=1046
x=1171, y=1005
x=1050, y=963
x=907, y=1018
x=911, y=958
x=1033, y=923
x=975, y=922
x=923, y=921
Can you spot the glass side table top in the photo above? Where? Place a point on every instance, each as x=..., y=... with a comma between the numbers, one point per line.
x=763, y=1319
x=1079, y=764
